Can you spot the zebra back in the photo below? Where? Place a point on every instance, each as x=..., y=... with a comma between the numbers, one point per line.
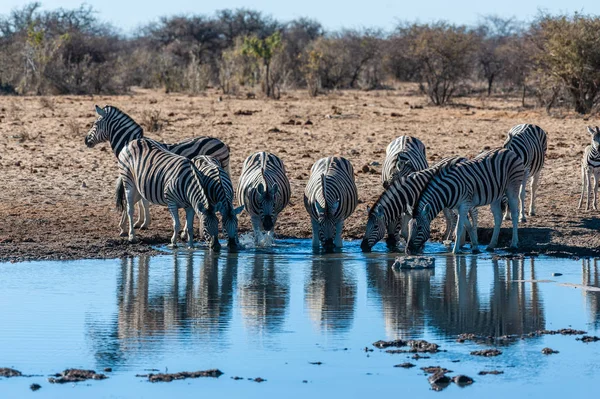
x=331, y=187
x=404, y=155
x=529, y=142
x=202, y=145
x=267, y=169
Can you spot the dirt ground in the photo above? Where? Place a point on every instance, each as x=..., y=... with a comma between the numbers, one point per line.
x=57, y=196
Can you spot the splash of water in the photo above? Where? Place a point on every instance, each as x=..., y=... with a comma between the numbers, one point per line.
x=262, y=240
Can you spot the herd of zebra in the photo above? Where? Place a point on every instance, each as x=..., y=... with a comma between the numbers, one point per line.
x=195, y=175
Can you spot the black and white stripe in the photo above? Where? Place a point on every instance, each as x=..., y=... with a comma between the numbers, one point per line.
x=218, y=189
x=330, y=198
x=590, y=166
x=160, y=177
x=264, y=190
x=481, y=181
x=403, y=156
x=529, y=142
x=394, y=205
x=118, y=128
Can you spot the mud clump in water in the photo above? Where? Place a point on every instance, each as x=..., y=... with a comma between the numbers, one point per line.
x=462, y=380
x=405, y=365
x=489, y=340
x=548, y=351
x=386, y=344
x=491, y=372
x=6, y=372
x=487, y=352
x=439, y=381
x=435, y=370
x=562, y=331
x=166, y=377
x=416, y=346
x=587, y=338
x=258, y=379
x=75, y=375
x=35, y=387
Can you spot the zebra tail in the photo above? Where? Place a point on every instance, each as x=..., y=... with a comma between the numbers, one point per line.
x=120, y=195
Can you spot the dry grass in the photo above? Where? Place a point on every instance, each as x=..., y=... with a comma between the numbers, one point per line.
x=151, y=121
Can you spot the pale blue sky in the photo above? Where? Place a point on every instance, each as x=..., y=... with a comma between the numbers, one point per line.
x=333, y=14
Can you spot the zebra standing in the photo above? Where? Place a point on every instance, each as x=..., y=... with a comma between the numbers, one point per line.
x=160, y=177
x=484, y=180
x=397, y=200
x=529, y=142
x=330, y=198
x=590, y=166
x=403, y=156
x=219, y=191
x=118, y=128
x=264, y=190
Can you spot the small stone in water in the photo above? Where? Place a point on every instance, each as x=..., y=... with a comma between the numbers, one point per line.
x=557, y=274
x=548, y=351
x=413, y=262
x=35, y=387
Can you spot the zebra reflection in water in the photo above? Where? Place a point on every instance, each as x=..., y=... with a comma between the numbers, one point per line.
x=591, y=277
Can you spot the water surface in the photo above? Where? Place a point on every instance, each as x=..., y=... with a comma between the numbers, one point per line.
x=270, y=313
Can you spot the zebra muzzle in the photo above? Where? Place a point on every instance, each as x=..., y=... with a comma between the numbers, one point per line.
x=268, y=223
x=364, y=246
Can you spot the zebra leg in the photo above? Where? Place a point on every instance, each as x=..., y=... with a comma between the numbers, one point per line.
x=595, y=192
x=315, y=234
x=460, y=227
x=123, y=223
x=140, y=209
x=145, y=206
x=189, y=226
x=450, y=224
x=256, y=227
x=513, y=204
x=496, y=208
x=583, y=186
x=130, y=195
x=535, y=182
x=472, y=229
x=176, y=224
x=337, y=241
x=588, y=188
x=522, y=194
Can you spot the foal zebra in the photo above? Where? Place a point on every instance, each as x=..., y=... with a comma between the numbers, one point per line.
x=160, y=177
x=590, y=166
x=403, y=156
x=529, y=142
x=264, y=190
x=484, y=180
x=218, y=188
x=118, y=128
x=397, y=200
x=330, y=197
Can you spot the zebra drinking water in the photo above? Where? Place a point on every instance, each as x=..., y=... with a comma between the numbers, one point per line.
x=397, y=200
x=484, y=180
x=590, y=166
x=264, y=190
x=118, y=128
x=330, y=198
x=160, y=177
x=403, y=156
x=219, y=191
x=529, y=142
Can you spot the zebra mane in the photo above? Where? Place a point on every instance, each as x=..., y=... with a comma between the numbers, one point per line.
x=115, y=112
x=203, y=197
x=324, y=188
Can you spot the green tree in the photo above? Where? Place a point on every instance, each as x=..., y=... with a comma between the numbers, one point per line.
x=263, y=50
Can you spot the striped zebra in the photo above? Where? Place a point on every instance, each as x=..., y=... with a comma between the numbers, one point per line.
x=118, y=128
x=484, y=180
x=264, y=190
x=394, y=205
x=219, y=191
x=160, y=177
x=330, y=198
x=403, y=156
x=590, y=166
x=529, y=142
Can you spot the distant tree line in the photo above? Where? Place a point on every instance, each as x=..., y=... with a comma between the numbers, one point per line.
x=555, y=58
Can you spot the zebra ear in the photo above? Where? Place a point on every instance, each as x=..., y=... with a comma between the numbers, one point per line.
x=238, y=210
x=368, y=209
x=275, y=189
x=378, y=211
x=426, y=209
x=219, y=207
x=334, y=207
x=260, y=189
x=320, y=209
x=100, y=111
x=400, y=163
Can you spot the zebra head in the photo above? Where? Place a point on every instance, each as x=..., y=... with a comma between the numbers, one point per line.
x=210, y=229
x=419, y=230
x=403, y=167
x=100, y=130
x=375, y=228
x=327, y=224
x=266, y=199
x=595, y=132
x=229, y=219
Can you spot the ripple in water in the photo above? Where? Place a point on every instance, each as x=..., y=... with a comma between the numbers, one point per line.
x=266, y=240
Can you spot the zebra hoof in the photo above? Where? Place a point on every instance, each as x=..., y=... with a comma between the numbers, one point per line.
x=475, y=251
x=172, y=246
x=490, y=249
x=523, y=219
x=143, y=227
x=133, y=240
x=123, y=234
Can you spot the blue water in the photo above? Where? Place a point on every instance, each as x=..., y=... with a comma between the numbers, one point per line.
x=269, y=313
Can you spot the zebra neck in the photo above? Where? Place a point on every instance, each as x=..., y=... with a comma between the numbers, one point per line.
x=594, y=155
x=125, y=131
x=195, y=193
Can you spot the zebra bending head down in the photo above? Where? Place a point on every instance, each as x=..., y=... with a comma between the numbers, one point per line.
x=219, y=191
x=403, y=156
x=330, y=198
x=590, y=167
x=481, y=181
x=264, y=190
x=160, y=177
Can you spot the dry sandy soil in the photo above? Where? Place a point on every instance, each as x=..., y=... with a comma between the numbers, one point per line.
x=57, y=196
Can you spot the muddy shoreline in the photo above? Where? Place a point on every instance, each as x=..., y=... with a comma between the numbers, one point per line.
x=57, y=197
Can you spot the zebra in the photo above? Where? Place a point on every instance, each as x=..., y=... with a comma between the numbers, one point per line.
x=330, y=197
x=590, y=166
x=394, y=204
x=264, y=190
x=403, y=156
x=118, y=128
x=149, y=171
x=218, y=188
x=529, y=142
x=484, y=180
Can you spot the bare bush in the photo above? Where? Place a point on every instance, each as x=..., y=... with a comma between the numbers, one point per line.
x=152, y=121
